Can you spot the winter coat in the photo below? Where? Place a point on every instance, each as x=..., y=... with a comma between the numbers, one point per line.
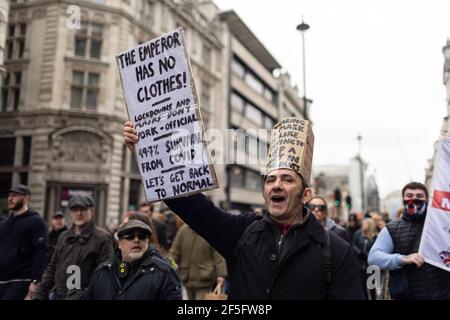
x=86, y=251
x=361, y=246
x=23, y=247
x=149, y=278
x=265, y=265
x=199, y=264
x=53, y=236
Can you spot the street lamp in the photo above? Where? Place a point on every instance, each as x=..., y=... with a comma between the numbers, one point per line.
x=302, y=27
x=361, y=173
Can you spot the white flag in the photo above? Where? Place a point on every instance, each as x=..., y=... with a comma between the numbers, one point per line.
x=435, y=242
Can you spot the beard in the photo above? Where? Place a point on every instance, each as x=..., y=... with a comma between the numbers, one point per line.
x=133, y=256
x=17, y=206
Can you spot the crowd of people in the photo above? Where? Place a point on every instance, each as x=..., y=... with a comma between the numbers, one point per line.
x=291, y=250
x=148, y=257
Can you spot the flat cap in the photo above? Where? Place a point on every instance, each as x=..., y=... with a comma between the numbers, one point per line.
x=21, y=189
x=82, y=200
x=133, y=224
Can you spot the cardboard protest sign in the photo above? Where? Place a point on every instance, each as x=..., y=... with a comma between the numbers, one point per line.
x=435, y=241
x=292, y=147
x=162, y=103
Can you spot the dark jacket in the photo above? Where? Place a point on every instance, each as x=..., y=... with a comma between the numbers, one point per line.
x=23, y=247
x=161, y=233
x=149, y=278
x=87, y=250
x=361, y=246
x=53, y=236
x=266, y=266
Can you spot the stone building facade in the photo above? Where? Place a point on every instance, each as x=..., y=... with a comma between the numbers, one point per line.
x=63, y=108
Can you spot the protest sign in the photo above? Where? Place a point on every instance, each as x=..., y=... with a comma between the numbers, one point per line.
x=162, y=103
x=292, y=147
x=435, y=241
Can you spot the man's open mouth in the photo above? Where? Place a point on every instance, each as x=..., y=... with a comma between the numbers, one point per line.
x=277, y=198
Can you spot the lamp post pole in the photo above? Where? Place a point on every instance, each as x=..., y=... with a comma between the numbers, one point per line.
x=302, y=27
x=361, y=174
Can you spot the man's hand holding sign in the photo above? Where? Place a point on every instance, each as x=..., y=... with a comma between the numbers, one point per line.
x=167, y=133
x=265, y=253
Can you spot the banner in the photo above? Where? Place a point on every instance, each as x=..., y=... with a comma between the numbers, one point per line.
x=162, y=103
x=435, y=242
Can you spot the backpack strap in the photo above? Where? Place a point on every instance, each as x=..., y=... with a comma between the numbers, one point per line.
x=326, y=258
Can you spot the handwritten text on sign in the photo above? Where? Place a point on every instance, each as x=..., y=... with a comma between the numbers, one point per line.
x=171, y=152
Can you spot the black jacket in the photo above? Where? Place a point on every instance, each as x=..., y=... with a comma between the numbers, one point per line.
x=161, y=233
x=262, y=266
x=361, y=247
x=23, y=247
x=150, y=278
x=53, y=236
x=86, y=251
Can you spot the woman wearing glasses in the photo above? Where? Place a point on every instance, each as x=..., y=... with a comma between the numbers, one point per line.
x=319, y=208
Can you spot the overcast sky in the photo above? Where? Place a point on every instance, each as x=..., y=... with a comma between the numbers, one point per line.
x=372, y=67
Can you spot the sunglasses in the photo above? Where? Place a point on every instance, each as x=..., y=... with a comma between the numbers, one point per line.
x=133, y=235
x=319, y=207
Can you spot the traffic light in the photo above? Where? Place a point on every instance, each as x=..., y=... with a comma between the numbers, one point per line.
x=337, y=197
x=348, y=202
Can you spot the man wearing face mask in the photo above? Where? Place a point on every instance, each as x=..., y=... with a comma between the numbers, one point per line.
x=396, y=250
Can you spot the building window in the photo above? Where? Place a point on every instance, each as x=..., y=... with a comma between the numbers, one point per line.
x=237, y=103
x=246, y=178
x=146, y=10
x=207, y=57
x=268, y=122
x=7, y=150
x=238, y=68
x=250, y=111
x=85, y=90
x=26, y=154
x=23, y=177
x=269, y=95
x=11, y=91
x=254, y=114
x=5, y=183
x=15, y=43
x=133, y=195
x=5, y=90
x=254, y=83
x=206, y=97
x=89, y=39
x=251, y=145
x=253, y=180
x=124, y=157
x=237, y=177
x=134, y=167
x=252, y=80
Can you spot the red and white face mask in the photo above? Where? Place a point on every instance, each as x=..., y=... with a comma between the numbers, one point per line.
x=416, y=209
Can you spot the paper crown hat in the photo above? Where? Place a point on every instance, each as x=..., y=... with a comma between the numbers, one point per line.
x=291, y=147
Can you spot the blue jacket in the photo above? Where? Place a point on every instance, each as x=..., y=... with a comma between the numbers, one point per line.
x=23, y=247
x=382, y=252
